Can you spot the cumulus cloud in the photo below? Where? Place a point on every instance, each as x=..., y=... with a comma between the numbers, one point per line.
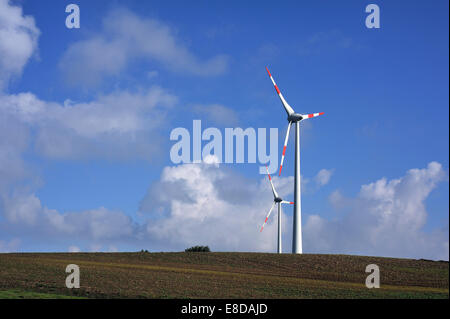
x=126, y=37
x=18, y=41
x=113, y=125
x=323, y=177
x=25, y=213
x=311, y=185
x=116, y=125
x=14, y=139
x=207, y=204
x=191, y=204
x=386, y=218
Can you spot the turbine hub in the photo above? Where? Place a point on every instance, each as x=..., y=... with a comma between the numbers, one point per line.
x=278, y=199
x=295, y=117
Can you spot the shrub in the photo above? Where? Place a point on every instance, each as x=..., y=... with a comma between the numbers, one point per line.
x=198, y=249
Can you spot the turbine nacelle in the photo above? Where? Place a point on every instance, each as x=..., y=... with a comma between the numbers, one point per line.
x=295, y=117
x=277, y=199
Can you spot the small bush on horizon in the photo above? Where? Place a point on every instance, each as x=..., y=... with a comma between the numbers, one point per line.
x=197, y=249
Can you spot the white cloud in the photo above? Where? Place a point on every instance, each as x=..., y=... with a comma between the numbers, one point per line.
x=14, y=139
x=191, y=204
x=323, y=176
x=26, y=213
x=18, y=41
x=337, y=200
x=120, y=112
x=26, y=210
x=311, y=185
x=386, y=218
x=205, y=204
x=211, y=205
x=113, y=125
x=126, y=37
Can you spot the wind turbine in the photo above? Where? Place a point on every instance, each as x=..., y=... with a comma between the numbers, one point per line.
x=276, y=200
x=294, y=118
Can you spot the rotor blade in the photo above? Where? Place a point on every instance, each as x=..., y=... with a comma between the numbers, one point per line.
x=284, y=147
x=275, y=194
x=267, y=217
x=287, y=107
x=286, y=202
x=308, y=116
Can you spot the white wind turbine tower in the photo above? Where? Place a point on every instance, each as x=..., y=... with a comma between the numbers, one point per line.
x=276, y=200
x=294, y=118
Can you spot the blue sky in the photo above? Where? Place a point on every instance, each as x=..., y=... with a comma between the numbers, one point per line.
x=87, y=115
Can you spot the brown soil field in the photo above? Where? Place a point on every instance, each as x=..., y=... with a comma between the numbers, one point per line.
x=222, y=275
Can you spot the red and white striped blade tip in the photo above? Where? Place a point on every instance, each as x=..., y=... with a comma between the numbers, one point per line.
x=262, y=227
x=282, y=160
x=265, y=221
x=315, y=114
